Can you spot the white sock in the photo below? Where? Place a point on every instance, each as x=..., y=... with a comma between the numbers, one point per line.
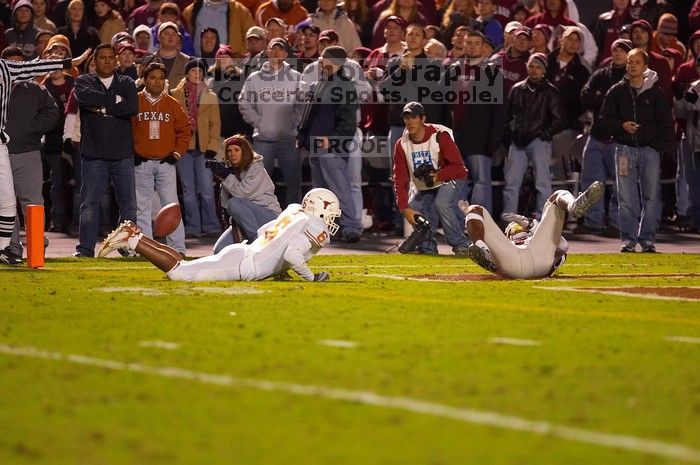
x=134, y=240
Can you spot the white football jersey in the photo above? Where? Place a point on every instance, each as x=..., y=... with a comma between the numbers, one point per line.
x=291, y=229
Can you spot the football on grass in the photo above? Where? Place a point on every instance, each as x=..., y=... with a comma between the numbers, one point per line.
x=167, y=220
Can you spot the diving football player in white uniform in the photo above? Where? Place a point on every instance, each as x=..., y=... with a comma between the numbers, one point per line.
x=527, y=250
x=288, y=241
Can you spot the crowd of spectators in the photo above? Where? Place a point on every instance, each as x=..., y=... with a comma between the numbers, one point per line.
x=287, y=91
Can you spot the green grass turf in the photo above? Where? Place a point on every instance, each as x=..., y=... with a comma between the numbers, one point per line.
x=603, y=364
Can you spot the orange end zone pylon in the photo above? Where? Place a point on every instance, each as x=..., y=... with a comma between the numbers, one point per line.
x=35, y=236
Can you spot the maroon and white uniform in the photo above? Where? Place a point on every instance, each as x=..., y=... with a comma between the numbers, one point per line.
x=535, y=255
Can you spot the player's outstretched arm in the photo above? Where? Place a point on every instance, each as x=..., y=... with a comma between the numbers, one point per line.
x=294, y=257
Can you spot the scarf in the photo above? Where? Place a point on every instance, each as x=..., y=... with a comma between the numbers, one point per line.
x=191, y=100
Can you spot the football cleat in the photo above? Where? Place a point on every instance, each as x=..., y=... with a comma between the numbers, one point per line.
x=9, y=258
x=119, y=238
x=481, y=255
x=587, y=199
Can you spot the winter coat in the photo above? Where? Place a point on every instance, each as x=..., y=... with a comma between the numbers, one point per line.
x=478, y=127
x=569, y=80
x=593, y=95
x=253, y=184
x=647, y=106
x=208, y=118
x=106, y=136
x=32, y=113
x=239, y=21
x=330, y=110
x=534, y=110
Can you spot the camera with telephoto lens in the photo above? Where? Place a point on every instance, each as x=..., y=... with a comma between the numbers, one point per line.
x=425, y=172
x=421, y=232
x=211, y=164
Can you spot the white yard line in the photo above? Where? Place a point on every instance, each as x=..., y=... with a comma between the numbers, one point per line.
x=160, y=344
x=684, y=339
x=402, y=278
x=617, y=293
x=465, y=415
x=338, y=343
x=514, y=342
x=154, y=291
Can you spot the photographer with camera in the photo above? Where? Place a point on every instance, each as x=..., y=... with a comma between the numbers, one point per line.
x=247, y=192
x=427, y=156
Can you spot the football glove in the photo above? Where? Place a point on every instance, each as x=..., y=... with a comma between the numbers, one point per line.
x=322, y=276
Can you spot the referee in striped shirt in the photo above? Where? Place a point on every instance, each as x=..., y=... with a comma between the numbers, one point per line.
x=11, y=72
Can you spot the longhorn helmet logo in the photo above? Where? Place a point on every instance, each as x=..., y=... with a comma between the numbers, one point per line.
x=326, y=203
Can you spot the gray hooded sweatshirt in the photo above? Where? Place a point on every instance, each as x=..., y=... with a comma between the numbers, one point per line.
x=255, y=185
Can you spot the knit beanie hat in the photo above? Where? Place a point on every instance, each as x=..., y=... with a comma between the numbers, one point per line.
x=335, y=53
x=196, y=63
x=538, y=59
x=644, y=24
x=624, y=44
x=545, y=30
x=668, y=24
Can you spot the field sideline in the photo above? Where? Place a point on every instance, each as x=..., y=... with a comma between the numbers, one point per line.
x=396, y=360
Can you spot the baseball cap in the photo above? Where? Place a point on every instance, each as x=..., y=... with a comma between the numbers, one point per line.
x=328, y=34
x=166, y=25
x=524, y=30
x=512, y=26
x=279, y=42
x=307, y=26
x=413, y=109
x=255, y=31
x=125, y=46
x=396, y=19
x=279, y=22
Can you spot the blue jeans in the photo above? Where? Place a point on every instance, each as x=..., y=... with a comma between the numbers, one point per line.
x=330, y=171
x=638, y=221
x=153, y=175
x=438, y=206
x=683, y=156
x=395, y=133
x=692, y=177
x=249, y=215
x=285, y=151
x=599, y=165
x=197, y=194
x=96, y=176
x=480, y=174
x=540, y=153
x=355, y=173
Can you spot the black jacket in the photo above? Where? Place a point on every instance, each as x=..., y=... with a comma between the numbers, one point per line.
x=331, y=111
x=533, y=110
x=569, y=80
x=478, y=127
x=32, y=113
x=106, y=136
x=227, y=87
x=593, y=95
x=53, y=142
x=648, y=107
x=85, y=38
x=402, y=86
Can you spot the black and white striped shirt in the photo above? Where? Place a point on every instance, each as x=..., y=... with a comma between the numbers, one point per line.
x=18, y=71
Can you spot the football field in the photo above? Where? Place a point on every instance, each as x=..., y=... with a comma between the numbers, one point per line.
x=396, y=360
